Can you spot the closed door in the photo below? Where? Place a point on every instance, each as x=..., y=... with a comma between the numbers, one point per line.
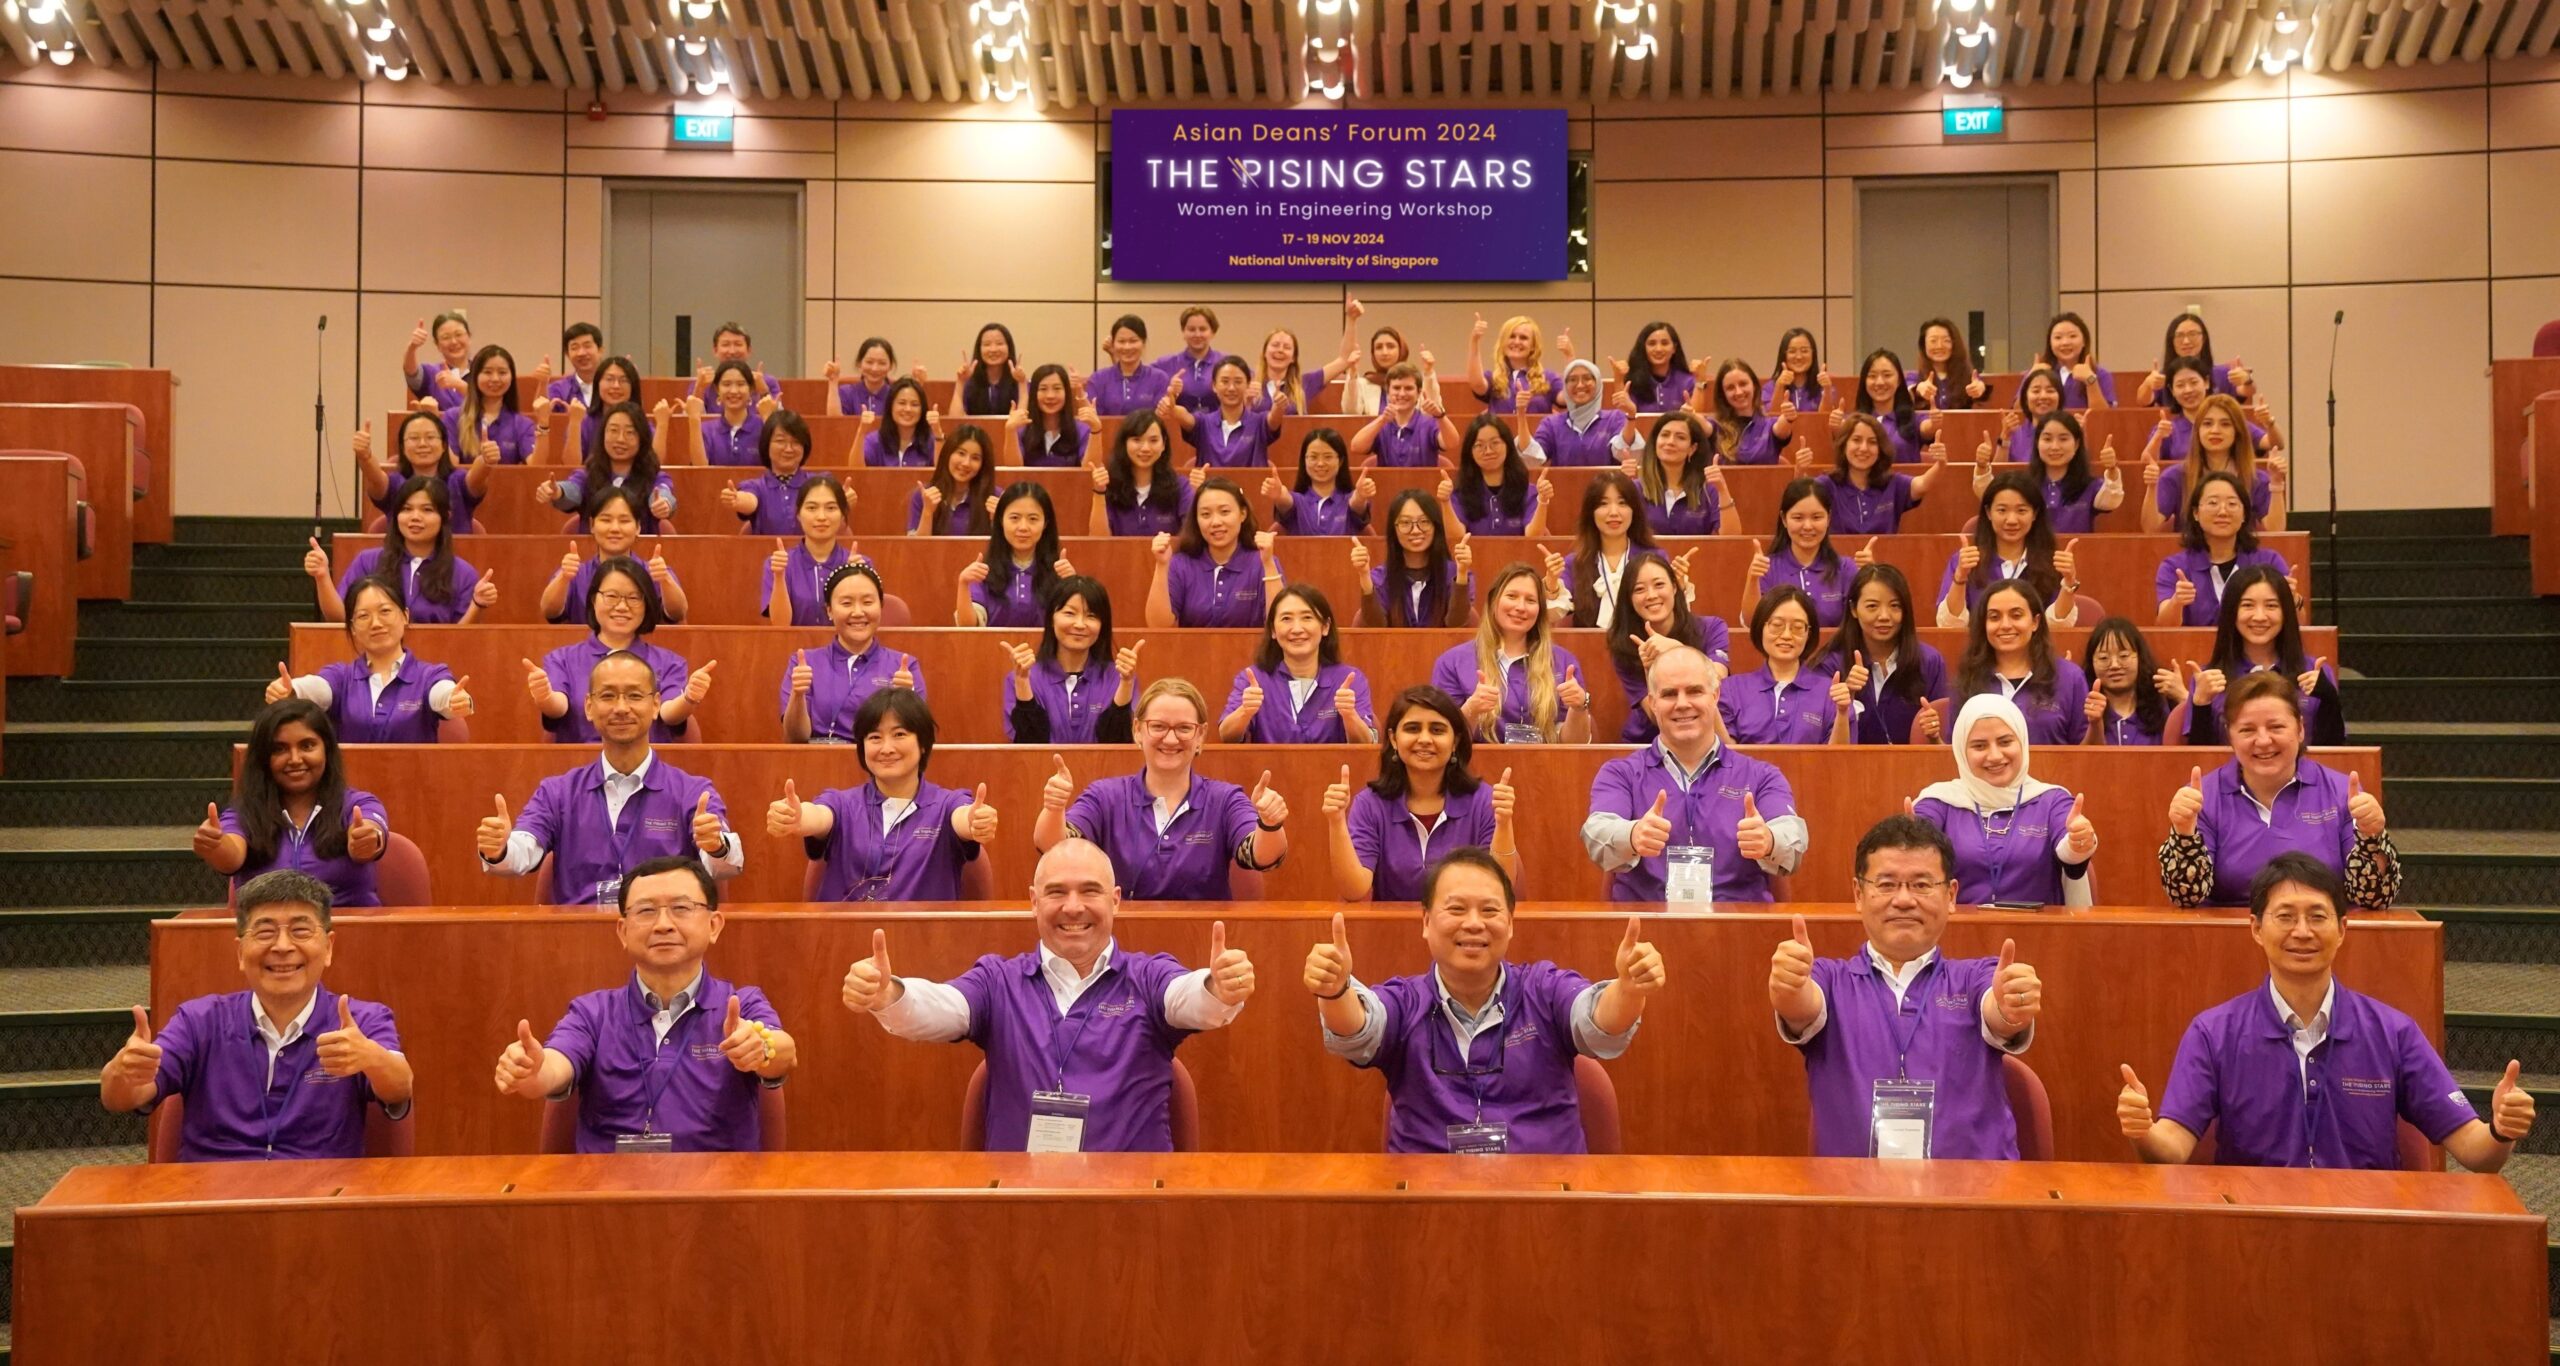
x=1979, y=253
x=682, y=261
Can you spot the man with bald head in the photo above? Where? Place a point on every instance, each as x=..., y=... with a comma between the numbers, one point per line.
x=1686, y=820
x=1079, y=1036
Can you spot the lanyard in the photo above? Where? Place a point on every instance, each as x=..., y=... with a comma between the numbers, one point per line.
x=1466, y=1060
x=661, y=1068
x=873, y=863
x=1062, y=1048
x=620, y=838
x=1915, y=1007
x=269, y=1110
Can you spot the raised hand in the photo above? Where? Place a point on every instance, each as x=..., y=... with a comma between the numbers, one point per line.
x=2133, y=1104
x=1651, y=834
x=1639, y=963
x=363, y=444
x=2363, y=808
x=282, y=688
x=1060, y=789
x=1791, y=967
x=977, y=821
x=315, y=562
x=1162, y=547
x=2016, y=994
x=2078, y=834
x=2184, y=595
x=1866, y=553
x=364, y=838
x=2186, y=805
x=138, y=1062
x=698, y=685
x=1751, y=836
x=1359, y=558
x=743, y=1041
x=345, y=1051
x=208, y=836
x=1230, y=971
x=1337, y=794
x=2510, y=1105
x=707, y=834
x=1268, y=806
x=658, y=571
x=520, y=1066
x=782, y=818
x=1851, y=684
x=484, y=594
x=537, y=684
x=1126, y=661
x=2309, y=679
x=2171, y=682
x=2066, y=561
x=1328, y=971
x=904, y=676
x=868, y=984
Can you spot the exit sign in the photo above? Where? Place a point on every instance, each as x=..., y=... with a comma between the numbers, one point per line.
x=706, y=130
x=1970, y=116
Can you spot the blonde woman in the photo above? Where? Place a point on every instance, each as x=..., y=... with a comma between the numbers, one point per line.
x=1514, y=683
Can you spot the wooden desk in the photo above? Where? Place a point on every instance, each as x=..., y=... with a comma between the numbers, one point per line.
x=150, y=392
x=964, y=669
x=1706, y=1075
x=2514, y=383
x=36, y=512
x=103, y=436
x=944, y=1257
x=722, y=573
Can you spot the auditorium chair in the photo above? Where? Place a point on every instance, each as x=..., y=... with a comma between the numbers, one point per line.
x=401, y=877
x=383, y=1136
x=17, y=597
x=1185, y=1111
x=1595, y=1096
x=2032, y=1109
x=84, y=519
x=560, y=1122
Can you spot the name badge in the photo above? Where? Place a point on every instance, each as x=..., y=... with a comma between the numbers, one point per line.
x=1057, y=1122
x=1481, y=1139
x=609, y=891
x=1521, y=733
x=1688, y=875
x=1903, y=1113
x=644, y=1143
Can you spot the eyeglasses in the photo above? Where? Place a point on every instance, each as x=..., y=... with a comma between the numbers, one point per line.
x=1785, y=628
x=616, y=697
x=1412, y=524
x=1922, y=889
x=300, y=932
x=677, y=910
x=1158, y=730
x=621, y=599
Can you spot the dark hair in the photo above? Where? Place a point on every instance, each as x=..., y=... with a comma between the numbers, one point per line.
x=450, y=315
x=2149, y=707
x=2039, y=543
x=1189, y=540
x=466, y=419
x=725, y=329
x=1343, y=479
x=1097, y=600
x=1641, y=380
x=1129, y=322
x=2075, y=476
x=1768, y=607
x=1693, y=471
x=1903, y=832
x=745, y=371
x=1625, y=626
x=1164, y=487
x=1781, y=362
x=1866, y=402
x=1269, y=657
x=1240, y=363
x=907, y=707
x=2191, y=532
x=1586, y=537
x=1395, y=593
x=2302, y=870
x=1796, y=491
x=885, y=349
x=1467, y=856
x=1730, y=423
x=826, y=483
x=1040, y=424
x=666, y=863
x=1468, y=491
x=2229, y=654
x=1044, y=555
x=1981, y=662
x=259, y=806
x=2169, y=343
x=279, y=887
x=574, y=331
x=2027, y=380
x=1201, y=311
x=435, y=572
x=400, y=445
x=644, y=461
x=851, y=569
x=976, y=395
x=598, y=498
x=1850, y=641
x=893, y=442
x=2088, y=341
x=630, y=371
x=2179, y=365
x=653, y=611
x=963, y=504
x=1959, y=372
x=1392, y=782
x=790, y=424
x=378, y=583
x=1842, y=473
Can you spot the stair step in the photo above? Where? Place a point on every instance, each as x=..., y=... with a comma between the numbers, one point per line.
x=287, y=531
x=191, y=620
x=283, y=583
x=2479, y=868
x=2392, y=522
x=220, y=555
x=2466, y=803
x=2436, y=577
x=2490, y=652
x=104, y=866
x=2498, y=934
x=65, y=750
x=211, y=658
x=108, y=801
x=2457, y=749
x=94, y=702
x=2512, y=699
x=2449, y=614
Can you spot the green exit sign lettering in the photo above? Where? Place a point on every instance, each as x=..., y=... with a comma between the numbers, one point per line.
x=1977, y=117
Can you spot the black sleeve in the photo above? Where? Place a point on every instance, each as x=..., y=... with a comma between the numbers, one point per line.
x=1113, y=726
x=1030, y=722
x=2330, y=727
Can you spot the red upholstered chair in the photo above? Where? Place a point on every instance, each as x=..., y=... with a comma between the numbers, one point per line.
x=2546, y=339
x=895, y=612
x=17, y=590
x=560, y=1122
x=1185, y=1107
x=453, y=730
x=2031, y=1107
x=1597, y=1096
x=1944, y=707
x=401, y=877
x=2086, y=610
x=383, y=1136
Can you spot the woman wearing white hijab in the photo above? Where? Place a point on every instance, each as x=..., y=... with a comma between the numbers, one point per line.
x=2017, y=841
x=1583, y=432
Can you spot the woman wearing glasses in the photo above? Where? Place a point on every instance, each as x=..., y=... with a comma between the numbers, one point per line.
x=1171, y=833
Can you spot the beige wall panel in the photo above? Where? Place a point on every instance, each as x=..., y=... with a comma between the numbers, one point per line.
x=2515, y=70
x=2405, y=123
x=2519, y=308
x=80, y=74
x=1840, y=236
x=45, y=322
x=2249, y=325
x=525, y=98
x=2401, y=339
x=968, y=242
x=77, y=216
x=529, y=328
x=1927, y=129
x=2210, y=134
x=1727, y=148
x=2256, y=85
x=2147, y=236
x=51, y=118
x=297, y=131
x=1922, y=98
x=2393, y=218
x=1704, y=107
x=461, y=140
x=818, y=239
x=817, y=334
x=2358, y=79
x=251, y=85
x=287, y=226
x=2524, y=204
x=2076, y=222
x=582, y=238
x=2525, y=115
x=937, y=335
x=1441, y=325
x=1697, y=240
x=437, y=230
x=635, y=105
x=1982, y=159
x=926, y=149
x=670, y=164
x=249, y=454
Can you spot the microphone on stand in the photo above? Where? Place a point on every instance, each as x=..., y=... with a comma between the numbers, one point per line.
x=2337, y=324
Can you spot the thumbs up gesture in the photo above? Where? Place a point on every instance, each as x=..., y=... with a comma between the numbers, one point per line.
x=746, y=1043
x=1505, y=799
x=362, y=443
x=2208, y=684
x=1639, y=963
x=1850, y=685
x=537, y=684
x=778, y=561
x=1366, y=486
x=868, y=984
x=520, y=1066
x=1337, y=794
x=315, y=562
x=2107, y=461
x=1652, y=831
x=1230, y=972
x=697, y=685
x=138, y=1062
x=2363, y=808
x=345, y=1051
x=282, y=688
x=975, y=822
x=782, y=819
x=569, y=562
x=1328, y=972
x=1268, y=806
x=1968, y=557
x=1060, y=789
x=1791, y=967
x=1346, y=703
x=2094, y=706
x=2309, y=679
x=2510, y=1105
x=1161, y=548
x=208, y=837
x=2133, y=1104
x=2078, y=835
x=2066, y=561
x=1249, y=702
x=364, y=838
x=658, y=571
x=1751, y=837
x=802, y=676
x=2186, y=805
x=2184, y=595
x=493, y=833
x=707, y=834
x=484, y=594
x=904, y=676
x=2016, y=996
x=1866, y=553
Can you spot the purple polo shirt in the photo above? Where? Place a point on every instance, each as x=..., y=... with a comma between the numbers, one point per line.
x=1117, y=395
x=1015, y=604
x=1054, y=450
x=2068, y=516
x=1707, y=813
x=2075, y=394
x=1482, y=515
x=400, y=716
x=2129, y=730
x=1248, y=442
x=1311, y=387
x=568, y=667
x=2022, y=444
x=723, y=444
x=457, y=492
x=423, y=611
x=918, y=859
x=630, y=1083
x=1759, y=710
x=840, y=682
x=1883, y=718
x=567, y=817
x=777, y=504
x=1074, y=712
x=2237, y=1073
x=2062, y=719
x=2309, y=817
x=1566, y=445
x=1322, y=514
x=1677, y=514
x=573, y=491
x=1413, y=446
x=1396, y=851
x=969, y=514
x=425, y=386
x=1317, y=723
x=1189, y=860
x=1808, y=395
x=1975, y=590
x=803, y=577
x=573, y=611
x=2007, y=856
x=2206, y=610
x=512, y=431
x=917, y=453
x=1196, y=374
x=1454, y=673
x=1142, y=518
x=350, y=882
x=1827, y=586
x=1671, y=392
x=1114, y=1046
x=1519, y=1073
x=1510, y=403
x=237, y=1111
x=1858, y=511
x=571, y=389
x=1206, y=593
x=2310, y=700
x=855, y=399
x=1400, y=608
x=1758, y=444
x=1950, y=395
x=1861, y=1044
x=2171, y=494
x=1714, y=639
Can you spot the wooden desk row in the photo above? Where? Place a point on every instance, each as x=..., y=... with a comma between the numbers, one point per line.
x=1707, y=1073
x=964, y=668
x=2514, y=384
x=722, y=575
x=37, y=498
x=437, y=797
x=1093, y=1259
x=104, y=437
x=150, y=393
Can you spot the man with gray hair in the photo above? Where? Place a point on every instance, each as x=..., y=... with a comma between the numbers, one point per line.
x=1686, y=820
